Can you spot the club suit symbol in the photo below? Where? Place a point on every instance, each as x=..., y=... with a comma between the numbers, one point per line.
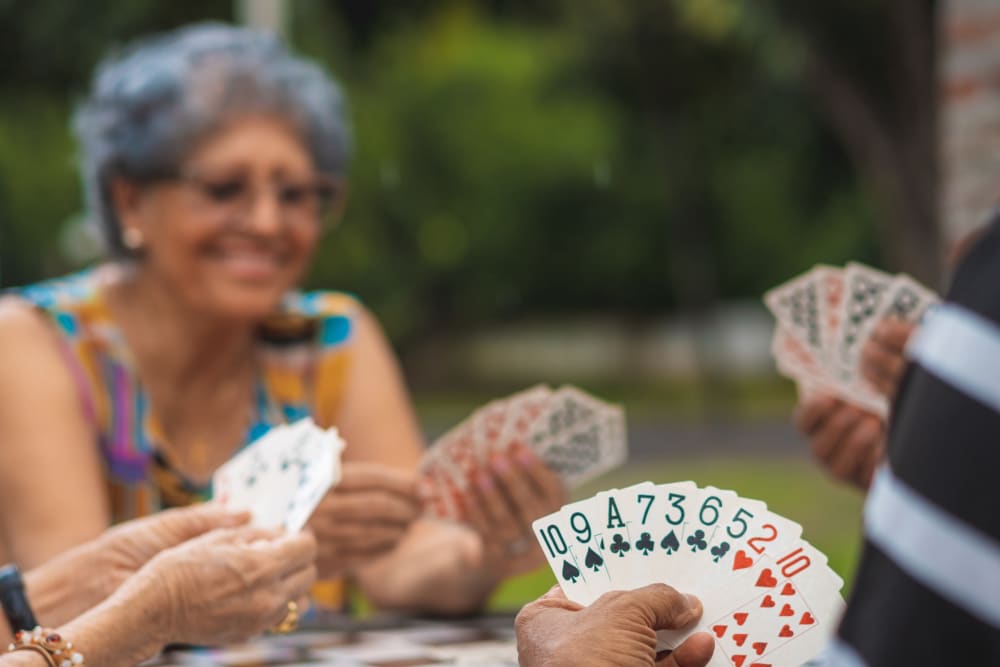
x=619, y=545
x=645, y=544
x=719, y=550
x=697, y=541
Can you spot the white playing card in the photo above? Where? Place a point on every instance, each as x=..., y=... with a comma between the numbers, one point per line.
x=906, y=300
x=568, y=551
x=281, y=476
x=588, y=448
x=322, y=452
x=525, y=408
x=796, y=306
x=865, y=290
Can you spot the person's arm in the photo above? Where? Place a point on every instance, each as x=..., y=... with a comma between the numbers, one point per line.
x=224, y=586
x=52, y=495
x=378, y=422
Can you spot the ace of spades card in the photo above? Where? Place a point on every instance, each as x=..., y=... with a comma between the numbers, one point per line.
x=282, y=476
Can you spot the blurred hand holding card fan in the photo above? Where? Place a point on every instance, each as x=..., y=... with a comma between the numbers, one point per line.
x=577, y=436
x=825, y=317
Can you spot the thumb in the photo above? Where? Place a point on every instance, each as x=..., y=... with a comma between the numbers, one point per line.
x=189, y=522
x=660, y=606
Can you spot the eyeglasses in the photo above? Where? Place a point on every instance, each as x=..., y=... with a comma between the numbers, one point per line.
x=308, y=201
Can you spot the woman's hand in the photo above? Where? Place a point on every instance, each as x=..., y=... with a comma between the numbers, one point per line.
x=619, y=629
x=847, y=440
x=502, y=502
x=124, y=549
x=226, y=586
x=364, y=516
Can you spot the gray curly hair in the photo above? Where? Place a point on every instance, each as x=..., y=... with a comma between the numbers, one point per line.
x=153, y=101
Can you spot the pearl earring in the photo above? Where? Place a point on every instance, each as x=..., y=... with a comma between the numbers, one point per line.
x=132, y=238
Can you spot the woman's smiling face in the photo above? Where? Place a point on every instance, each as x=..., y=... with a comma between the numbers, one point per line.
x=237, y=228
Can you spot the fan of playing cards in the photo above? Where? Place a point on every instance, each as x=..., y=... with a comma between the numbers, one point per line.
x=769, y=598
x=575, y=434
x=281, y=477
x=825, y=317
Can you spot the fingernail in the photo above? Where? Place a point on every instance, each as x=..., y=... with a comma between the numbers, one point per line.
x=693, y=602
x=485, y=482
x=525, y=456
x=500, y=464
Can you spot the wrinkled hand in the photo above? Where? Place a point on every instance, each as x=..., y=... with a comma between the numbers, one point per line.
x=364, y=516
x=225, y=586
x=502, y=502
x=847, y=440
x=127, y=547
x=882, y=357
x=618, y=630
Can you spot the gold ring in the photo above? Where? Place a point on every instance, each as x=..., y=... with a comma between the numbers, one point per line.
x=291, y=620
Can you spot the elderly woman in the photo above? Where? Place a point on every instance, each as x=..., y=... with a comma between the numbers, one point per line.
x=213, y=158
x=189, y=575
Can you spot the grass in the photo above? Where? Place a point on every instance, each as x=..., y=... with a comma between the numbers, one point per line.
x=830, y=514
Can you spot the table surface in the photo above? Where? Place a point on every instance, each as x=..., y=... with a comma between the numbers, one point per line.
x=379, y=642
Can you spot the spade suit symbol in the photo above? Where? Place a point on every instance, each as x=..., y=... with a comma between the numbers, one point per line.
x=570, y=571
x=593, y=560
x=670, y=543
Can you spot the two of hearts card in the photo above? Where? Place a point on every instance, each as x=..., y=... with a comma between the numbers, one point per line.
x=769, y=598
x=827, y=315
x=282, y=476
x=578, y=436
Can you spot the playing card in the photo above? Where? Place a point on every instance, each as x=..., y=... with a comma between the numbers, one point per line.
x=865, y=290
x=764, y=617
x=525, y=408
x=907, y=300
x=318, y=469
x=282, y=476
x=588, y=449
x=569, y=541
x=487, y=426
x=796, y=306
x=831, y=290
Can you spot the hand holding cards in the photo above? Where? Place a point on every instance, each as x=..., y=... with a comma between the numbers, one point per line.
x=282, y=476
x=576, y=435
x=768, y=596
x=825, y=317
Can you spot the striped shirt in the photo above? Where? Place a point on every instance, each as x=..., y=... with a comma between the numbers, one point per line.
x=928, y=586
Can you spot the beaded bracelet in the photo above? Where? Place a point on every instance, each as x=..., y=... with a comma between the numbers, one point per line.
x=49, y=643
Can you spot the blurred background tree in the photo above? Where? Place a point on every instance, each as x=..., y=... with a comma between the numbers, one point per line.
x=517, y=158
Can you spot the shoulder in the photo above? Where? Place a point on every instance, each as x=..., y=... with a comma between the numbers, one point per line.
x=30, y=357
x=21, y=322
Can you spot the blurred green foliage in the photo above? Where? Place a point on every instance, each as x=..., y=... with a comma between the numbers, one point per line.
x=512, y=158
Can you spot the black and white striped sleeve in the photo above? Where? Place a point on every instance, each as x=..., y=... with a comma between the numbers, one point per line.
x=928, y=586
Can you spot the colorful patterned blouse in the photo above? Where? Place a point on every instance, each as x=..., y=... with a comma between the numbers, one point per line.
x=304, y=352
